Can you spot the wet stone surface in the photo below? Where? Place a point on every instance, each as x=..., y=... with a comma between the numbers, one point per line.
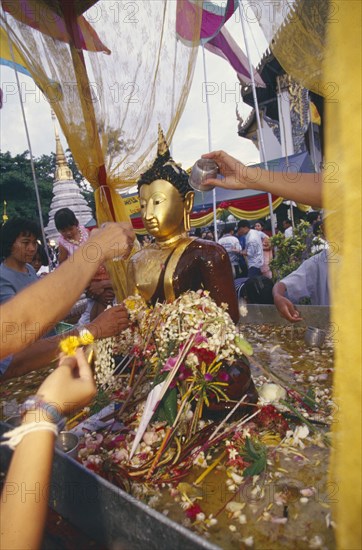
x=288, y=505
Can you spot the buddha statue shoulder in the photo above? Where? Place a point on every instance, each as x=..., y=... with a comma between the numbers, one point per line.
x=176, y=262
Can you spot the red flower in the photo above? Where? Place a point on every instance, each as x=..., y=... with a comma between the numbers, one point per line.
x=93, y=467
x=223, y=376
x=271, y=418
x=184, y=372
x=193, y=511
x=204, y=355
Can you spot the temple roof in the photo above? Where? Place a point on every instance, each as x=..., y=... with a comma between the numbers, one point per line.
x=66, y=192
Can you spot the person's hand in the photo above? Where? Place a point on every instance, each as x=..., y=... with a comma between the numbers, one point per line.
x=286, y=309
x=110, y=322
x=97, y=287
x=236, y=174
x=71, y=385
x=111, y=241
x=266, y=244
x=106, y=297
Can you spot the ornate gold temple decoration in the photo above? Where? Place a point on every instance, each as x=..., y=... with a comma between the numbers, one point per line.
x=5, y=216
x=62, y=171
x=162, y=148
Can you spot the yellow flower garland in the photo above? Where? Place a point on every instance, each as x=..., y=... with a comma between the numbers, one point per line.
x=70, y=344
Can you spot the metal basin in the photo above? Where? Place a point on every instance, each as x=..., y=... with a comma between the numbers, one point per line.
x=107, y=514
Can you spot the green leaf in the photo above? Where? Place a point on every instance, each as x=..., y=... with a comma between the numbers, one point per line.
x=167, y=409
x=309, y=400
x=243, y=345
x=256, y=467
x=250, y=450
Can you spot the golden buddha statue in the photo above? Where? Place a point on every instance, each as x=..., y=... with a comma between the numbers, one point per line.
x=176, y=263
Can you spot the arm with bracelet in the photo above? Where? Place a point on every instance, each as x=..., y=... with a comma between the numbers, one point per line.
x=66, y=389
x=42, y=353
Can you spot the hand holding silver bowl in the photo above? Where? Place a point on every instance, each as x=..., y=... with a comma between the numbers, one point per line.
x=201, y=171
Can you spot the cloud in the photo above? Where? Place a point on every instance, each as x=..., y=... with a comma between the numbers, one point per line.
x=191, y=136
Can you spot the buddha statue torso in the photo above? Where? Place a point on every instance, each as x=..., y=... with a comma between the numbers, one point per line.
x=164, y=272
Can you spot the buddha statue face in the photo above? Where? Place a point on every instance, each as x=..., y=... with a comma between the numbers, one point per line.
x=166, y=199
x=164, y=209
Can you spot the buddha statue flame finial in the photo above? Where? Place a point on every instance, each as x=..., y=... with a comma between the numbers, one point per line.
x=162, y=143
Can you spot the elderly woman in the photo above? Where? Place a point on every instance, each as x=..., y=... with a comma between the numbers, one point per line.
x=18, y=241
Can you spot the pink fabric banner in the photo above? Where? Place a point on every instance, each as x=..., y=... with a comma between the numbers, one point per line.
x=225, y=46
x=213, y=18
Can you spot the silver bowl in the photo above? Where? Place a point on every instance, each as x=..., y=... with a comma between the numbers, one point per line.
x=67, y=442
x=202, y=170
x=315, y=337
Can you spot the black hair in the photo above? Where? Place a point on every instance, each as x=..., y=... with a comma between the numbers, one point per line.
x=243, y=223
x=261, y=223
x=229, y=227
x=267, y=225
x=318, y=228
x=42, y=255
x=312, y=216
x=258, y=290
x=164, y=168
x=287, y=220
x=65, y=217
x=11, y=230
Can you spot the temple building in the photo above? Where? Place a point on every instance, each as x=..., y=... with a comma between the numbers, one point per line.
x=66, y=193
x=291, y=116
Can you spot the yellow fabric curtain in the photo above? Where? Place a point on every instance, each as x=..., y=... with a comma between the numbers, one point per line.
x=255, y=214
x=299, y=44
x=108, y=104
x=6, y=53
x=331, y=66
x=207, y=219
x=342, y=197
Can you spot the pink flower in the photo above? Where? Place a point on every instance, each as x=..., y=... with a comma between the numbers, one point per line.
x=115, y=442
x=170, y=363
x=208, y=377
x=199, y=339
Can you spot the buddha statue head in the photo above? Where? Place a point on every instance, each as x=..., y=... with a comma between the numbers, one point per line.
x=166, y=199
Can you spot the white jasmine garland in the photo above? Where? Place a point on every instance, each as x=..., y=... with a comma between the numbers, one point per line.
x=166, y=327
x=104, y=363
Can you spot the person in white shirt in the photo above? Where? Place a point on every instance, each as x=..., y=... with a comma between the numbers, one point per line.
x=288, y=229
x=232, y=247
x=310, y=280
x=267, y=250
x=253, y=248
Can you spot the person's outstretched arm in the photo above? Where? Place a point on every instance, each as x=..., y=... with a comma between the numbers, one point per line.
x=42, y=353
x=299, y=187
x=25, y=494
x=284, y=306
x=29, y=314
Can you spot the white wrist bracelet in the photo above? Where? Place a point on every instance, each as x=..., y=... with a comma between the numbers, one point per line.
x=85, y=335
x=15, y=436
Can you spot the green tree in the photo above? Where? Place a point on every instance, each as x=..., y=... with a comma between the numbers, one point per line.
x=291, y=252
x=17, y=186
